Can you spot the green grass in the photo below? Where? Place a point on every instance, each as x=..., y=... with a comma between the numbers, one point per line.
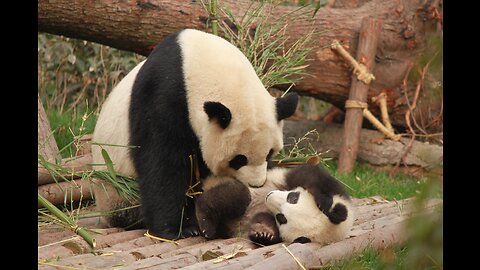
x=374, y=259
x=69, y=124
x=365, y=182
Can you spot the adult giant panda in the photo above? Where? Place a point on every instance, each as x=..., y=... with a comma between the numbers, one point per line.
x=305, y=204
x=196, y=95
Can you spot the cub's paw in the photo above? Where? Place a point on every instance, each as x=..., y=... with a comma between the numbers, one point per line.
x=207, y=226
x=264, y=234
x=189, y=231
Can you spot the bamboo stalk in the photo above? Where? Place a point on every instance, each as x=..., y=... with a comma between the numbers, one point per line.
x=382, y=102
x=297, y=161
x=367, y=114
x=293, y=256
x=59, y=214
x=360, y=70
x=213, y=10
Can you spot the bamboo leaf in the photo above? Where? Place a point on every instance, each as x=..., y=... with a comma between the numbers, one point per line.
x=109, y=163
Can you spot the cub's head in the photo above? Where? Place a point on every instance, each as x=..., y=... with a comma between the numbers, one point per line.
x=240, y=139
x=300, y=219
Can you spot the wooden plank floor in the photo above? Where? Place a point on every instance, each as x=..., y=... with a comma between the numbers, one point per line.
x=377, y=223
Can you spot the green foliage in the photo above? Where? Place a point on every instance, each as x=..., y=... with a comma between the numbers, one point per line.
x=276, y=58
x=74, y=78
x=70, y=125
x=71, y=71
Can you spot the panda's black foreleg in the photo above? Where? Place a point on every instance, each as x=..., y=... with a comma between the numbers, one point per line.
x=190, y=225
x=263, y=229
x=226, y=201
x=162, y=194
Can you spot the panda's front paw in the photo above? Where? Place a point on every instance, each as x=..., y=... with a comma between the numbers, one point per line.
x=189, y=231
x=207, y=229
x=264, y=235
x=207, y=226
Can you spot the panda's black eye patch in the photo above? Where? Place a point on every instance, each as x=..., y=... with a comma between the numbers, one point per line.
x=269, y=156
x=238, y=161
x=292, y=197
x=281, y=218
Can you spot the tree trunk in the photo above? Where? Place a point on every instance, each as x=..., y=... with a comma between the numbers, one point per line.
x=47, y=146
x=74, y=190
x=139, y=25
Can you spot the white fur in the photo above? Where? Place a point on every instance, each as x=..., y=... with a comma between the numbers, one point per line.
x=215, y=70
x=305, y=219
x=112, y=127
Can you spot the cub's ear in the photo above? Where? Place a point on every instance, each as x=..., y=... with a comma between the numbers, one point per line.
x=286, y=106
x=302, y=240
x=217, y=112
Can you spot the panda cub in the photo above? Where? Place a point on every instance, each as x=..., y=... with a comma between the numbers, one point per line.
x=304, y=204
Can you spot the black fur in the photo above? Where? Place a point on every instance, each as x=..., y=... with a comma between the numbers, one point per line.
x=322, y=186
x=302, y=240
x=269, y=155
x=226, y=201
x=338, y=214
x=286, y=106
x=292, y=197
x=159, y=125
x=238, y=161
x=263, y=229
x=281, y=218
x=216, y=111
x=129, y=218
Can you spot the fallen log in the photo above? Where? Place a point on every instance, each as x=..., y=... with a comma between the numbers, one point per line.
x=313, y=255
x=71, y=191
x=373, y=148
x=74, y=165
x=139, y=25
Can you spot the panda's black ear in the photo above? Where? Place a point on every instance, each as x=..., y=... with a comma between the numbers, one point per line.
x=286, y=106
x=217, y=112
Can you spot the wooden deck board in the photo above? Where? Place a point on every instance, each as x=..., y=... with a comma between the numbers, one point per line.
x=118, y=249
